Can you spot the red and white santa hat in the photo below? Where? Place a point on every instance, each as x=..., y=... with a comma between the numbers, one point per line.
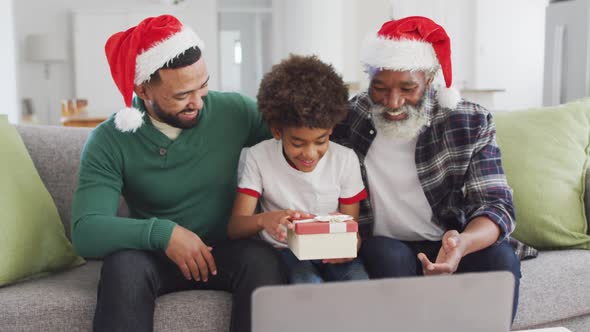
x=135, y=54
x=413, y=43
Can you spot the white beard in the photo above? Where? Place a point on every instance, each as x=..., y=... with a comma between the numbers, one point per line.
x=404, y=129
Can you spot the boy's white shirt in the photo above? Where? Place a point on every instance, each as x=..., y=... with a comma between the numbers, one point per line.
x=281, y=186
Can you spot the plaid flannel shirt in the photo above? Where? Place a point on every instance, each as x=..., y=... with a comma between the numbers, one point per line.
x=458, y=163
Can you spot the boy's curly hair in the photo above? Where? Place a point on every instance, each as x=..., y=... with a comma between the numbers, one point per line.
x=302, y=91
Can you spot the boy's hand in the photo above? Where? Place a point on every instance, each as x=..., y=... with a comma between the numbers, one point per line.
x=193, y=257
x=276, y=223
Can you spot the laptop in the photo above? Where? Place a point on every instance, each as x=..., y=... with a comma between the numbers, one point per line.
x=447, y=303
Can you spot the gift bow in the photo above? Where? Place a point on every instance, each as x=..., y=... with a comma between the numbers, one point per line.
x=336, y=218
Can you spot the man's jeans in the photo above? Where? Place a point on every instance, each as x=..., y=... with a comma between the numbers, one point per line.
x=131, y=280
x=385, y=257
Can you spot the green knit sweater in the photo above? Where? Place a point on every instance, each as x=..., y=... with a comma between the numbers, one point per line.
x=190, y=181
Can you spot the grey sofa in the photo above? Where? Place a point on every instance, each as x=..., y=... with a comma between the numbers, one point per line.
x=555, y=287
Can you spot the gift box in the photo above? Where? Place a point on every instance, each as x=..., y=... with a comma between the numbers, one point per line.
x=324, y=237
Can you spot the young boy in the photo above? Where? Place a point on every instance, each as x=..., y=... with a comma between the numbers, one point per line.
x=300, y=171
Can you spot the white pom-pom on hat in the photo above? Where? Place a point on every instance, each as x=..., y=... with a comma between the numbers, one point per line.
x=448, y=97
x=129, y=119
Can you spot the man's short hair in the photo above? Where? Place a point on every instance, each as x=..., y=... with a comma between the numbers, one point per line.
x=185, y=59
x=302, y=91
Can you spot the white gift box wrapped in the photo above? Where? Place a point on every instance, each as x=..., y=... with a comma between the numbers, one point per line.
x=324, y=237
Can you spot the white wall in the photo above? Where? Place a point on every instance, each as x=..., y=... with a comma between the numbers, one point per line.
x=487, y=52
x=308, y=27
x=255, y=54
x=370, y=15
x=231, y=78
x=509, y=51
x=495, y=44
x=331, y=29
x=7, y=63
x=53, y=17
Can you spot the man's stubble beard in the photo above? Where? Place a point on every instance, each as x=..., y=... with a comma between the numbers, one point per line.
x=173, y=119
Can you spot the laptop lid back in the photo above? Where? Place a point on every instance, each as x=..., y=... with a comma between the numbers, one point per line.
x=449, y=303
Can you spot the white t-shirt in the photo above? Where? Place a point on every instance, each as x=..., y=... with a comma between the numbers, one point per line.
x=400, y=207
x=166, y=129
x=267, y=174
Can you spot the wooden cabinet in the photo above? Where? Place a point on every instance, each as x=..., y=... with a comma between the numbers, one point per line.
x=82, y=121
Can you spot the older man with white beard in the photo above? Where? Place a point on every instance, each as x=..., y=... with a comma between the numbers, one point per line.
x=438, y=198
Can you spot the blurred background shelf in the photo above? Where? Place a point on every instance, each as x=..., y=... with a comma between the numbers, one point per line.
x=82, y=121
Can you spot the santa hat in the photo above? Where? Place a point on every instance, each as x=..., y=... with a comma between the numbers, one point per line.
x=134, y=55
x=413, y=43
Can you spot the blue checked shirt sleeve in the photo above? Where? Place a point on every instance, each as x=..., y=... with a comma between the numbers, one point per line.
x=486, y=188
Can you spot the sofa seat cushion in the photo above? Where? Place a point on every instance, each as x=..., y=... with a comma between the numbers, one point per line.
x=193, y=311
x=55, y=151
x=554, y=286
x=66, y=302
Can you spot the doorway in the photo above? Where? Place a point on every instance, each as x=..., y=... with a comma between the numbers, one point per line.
x=245, y=45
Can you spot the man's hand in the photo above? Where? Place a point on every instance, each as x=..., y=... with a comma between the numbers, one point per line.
x=448, y=257
x=276, y=223
x=193, y=257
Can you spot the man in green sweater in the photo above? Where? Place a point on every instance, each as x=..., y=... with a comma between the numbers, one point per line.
x=173, y=154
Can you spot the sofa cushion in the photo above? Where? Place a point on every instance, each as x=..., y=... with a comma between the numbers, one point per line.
x=66, y=302
x=587, y=198
x=554, y=286
x=545, y=155
x=32, y=238
x=56, y=154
